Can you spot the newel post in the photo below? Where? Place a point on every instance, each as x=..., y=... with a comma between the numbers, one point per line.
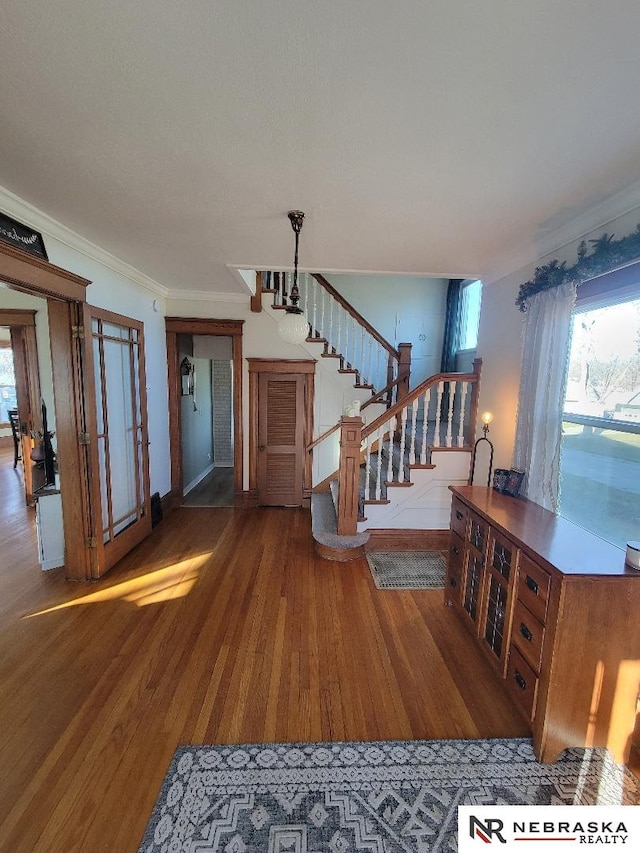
x=404, y=371
x=349, y=475
x=256, y=299
x=404, y=375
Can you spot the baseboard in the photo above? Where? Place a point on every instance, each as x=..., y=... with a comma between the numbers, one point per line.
x=197, y=480
x=408, y=540
x=169, y=502
x=247, y=499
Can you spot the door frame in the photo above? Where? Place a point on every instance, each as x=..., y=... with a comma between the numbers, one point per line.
x=65, y=293
x=175, y=326
x=280, y=365
x=21, y=323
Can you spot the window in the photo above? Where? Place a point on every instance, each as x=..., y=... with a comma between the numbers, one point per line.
x=600, y=462
x=7, y=384
x=471, y=298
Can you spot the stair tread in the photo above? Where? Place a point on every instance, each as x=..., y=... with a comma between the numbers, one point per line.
x=324, y=524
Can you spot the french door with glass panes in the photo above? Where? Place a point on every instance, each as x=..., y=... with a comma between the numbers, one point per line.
x=118, y=438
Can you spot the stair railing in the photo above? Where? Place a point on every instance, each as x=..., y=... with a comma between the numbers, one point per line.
x=345, y=334
x=439, y=414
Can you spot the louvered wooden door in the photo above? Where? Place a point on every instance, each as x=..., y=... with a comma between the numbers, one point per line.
x=281, y=448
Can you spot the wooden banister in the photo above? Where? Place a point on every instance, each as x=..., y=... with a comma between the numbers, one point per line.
x=322, y=437
x=356, y=315
x=385, y=417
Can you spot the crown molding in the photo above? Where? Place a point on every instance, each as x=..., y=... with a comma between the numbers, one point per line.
x=16, y=207
x=208, y=296
x=553, y=240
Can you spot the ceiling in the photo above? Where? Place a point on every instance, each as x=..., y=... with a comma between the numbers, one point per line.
x=449, y=137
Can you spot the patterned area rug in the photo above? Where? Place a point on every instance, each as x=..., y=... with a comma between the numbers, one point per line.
x=388, y=797
x=407, y=569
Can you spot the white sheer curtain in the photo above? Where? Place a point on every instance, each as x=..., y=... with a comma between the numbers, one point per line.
x=547, y=332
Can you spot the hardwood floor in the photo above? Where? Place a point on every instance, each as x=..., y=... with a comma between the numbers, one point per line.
x=217, y=489
x=223, y=627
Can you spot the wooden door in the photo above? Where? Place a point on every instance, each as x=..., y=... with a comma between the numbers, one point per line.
x=118, y=438
x=281, y=449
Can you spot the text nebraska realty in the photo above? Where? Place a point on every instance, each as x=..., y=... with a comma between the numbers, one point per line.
x=584, y=832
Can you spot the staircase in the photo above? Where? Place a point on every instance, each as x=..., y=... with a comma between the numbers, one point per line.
x=388, y=464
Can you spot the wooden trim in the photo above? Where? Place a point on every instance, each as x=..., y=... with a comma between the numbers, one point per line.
x=256, y=299
x=358, y=317
x=17, y=317
x=322, y=437
x=247, y=499
x=281, y=365
x=475, y=396
x=70, y=387
x=407, y=540
x=35, y=275
x=199, y=326
x=348, y=475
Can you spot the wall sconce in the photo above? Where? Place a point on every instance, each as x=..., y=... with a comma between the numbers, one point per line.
x=186, y=377
x=487, y=417
x=293, y=326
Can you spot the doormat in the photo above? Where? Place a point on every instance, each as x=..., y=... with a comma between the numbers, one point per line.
x=407, y=569
x=391, y=796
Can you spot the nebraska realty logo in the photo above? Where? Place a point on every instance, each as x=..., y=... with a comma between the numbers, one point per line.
x=558, y=827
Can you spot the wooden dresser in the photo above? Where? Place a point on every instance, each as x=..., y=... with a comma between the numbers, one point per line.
x=557, y=613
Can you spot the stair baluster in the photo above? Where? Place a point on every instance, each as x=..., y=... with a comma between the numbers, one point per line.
x=452, y=397
x=463, y=403
x=425, y=425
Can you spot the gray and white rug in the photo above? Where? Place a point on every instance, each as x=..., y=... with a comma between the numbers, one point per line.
x=387, y=796
x=407, y=569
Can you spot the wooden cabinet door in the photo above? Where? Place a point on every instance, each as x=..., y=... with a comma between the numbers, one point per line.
x=281, y=450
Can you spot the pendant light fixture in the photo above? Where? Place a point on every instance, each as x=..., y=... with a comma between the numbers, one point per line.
x=293, y=326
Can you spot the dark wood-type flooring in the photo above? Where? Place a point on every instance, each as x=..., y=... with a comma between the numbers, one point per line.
x=223, y=627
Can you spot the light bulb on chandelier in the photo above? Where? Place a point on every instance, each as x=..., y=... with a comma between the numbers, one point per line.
x=293, y=326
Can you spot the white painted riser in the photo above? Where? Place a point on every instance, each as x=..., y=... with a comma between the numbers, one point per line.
x=426, y=504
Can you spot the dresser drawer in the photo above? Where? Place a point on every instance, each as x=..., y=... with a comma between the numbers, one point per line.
x=459, y=517
x=522, y=683
x=527, y=633
x=533, y=587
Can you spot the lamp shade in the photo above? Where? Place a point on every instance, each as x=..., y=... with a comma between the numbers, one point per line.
x=293, y=327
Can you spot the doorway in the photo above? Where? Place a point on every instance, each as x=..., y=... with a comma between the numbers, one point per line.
x=206, y=411
x=24, y=356
x=204, y=360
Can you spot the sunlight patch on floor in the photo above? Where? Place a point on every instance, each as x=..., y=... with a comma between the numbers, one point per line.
x=175, y=581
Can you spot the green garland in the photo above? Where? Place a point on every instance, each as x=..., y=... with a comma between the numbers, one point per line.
x=607, y=254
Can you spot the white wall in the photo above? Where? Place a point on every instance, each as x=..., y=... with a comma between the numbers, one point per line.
x=197, y=430
x=114, y=291
x=500, y=338
x=404, y=309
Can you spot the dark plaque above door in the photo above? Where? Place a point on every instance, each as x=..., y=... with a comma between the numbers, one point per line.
x=21, y=237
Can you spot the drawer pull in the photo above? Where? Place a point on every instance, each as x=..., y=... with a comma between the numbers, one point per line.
x=522, y=684
x=459, y=515
x=453, y=582
x=533, y=586
x=526, y=633
x=455, y=549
